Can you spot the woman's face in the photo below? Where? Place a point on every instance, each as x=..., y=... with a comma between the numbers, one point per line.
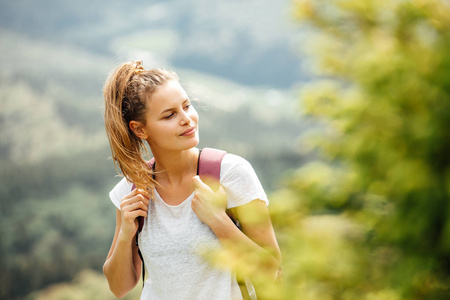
x=171, y=120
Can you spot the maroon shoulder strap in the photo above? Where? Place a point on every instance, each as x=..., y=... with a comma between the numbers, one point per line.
x=209, y=164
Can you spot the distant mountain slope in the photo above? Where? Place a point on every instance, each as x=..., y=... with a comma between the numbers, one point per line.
x=250, y=41
x=52, y=104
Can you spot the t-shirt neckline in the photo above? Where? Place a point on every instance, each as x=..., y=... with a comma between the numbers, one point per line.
x=159, y=198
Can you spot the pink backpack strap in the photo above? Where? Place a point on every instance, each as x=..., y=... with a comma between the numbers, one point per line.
x=209, y=164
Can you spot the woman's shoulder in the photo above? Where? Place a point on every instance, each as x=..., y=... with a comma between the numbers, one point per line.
x=234, y=167
x=240, y=181
x=231, y=160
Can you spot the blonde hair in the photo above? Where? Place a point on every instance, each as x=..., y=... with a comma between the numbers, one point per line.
x=126, y=92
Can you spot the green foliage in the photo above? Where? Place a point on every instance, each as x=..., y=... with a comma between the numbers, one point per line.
x=372, y=219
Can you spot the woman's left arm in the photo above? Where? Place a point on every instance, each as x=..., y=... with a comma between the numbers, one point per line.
x=255, y=222
x=256, y=240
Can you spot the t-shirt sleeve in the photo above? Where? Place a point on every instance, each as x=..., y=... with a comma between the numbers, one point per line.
x=240, y=181
x=119, y=191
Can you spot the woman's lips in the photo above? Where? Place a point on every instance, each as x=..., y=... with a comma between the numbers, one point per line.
x=190, y=131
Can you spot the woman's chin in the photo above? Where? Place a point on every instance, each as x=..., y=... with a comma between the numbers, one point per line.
x=195, y=142
x=191, y=143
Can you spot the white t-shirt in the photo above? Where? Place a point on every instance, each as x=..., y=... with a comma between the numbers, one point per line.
x=173, y=238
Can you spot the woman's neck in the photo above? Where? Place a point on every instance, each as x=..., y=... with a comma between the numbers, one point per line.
x=173, y=166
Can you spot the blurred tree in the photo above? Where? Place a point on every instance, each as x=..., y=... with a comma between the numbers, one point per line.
x=371, y=220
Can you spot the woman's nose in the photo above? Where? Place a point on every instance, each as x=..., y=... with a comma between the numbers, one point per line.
x=185, y=118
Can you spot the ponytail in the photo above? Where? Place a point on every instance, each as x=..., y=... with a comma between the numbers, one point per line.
x=127, y=91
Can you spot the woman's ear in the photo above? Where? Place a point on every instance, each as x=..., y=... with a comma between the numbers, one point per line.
x=138, y=129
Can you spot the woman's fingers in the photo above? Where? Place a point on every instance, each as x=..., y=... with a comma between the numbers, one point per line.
x=132, y=206
x=199, y=184
x=138, y=199
x=136, y=192
x=138, y=205
x=139, y=196
x=130, y=216
x=207, y=204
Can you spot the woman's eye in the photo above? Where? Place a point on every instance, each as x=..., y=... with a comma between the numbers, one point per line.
x=187, y=106
x=169, y=116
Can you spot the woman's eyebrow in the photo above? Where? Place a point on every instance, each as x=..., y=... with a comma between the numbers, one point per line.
x=167, y=110
x=173, y=108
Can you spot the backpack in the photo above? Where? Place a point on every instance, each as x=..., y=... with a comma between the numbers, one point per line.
x=209, y=163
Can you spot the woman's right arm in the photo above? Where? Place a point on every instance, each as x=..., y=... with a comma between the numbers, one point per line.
x=122, y=267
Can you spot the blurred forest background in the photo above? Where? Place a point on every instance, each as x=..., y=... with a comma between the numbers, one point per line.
x=342, y=107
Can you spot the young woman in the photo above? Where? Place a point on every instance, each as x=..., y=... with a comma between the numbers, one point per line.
x=183, y=217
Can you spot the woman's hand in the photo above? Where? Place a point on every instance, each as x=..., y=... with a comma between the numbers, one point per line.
x=209, y=206
x=123, y=265
x=132, y=206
